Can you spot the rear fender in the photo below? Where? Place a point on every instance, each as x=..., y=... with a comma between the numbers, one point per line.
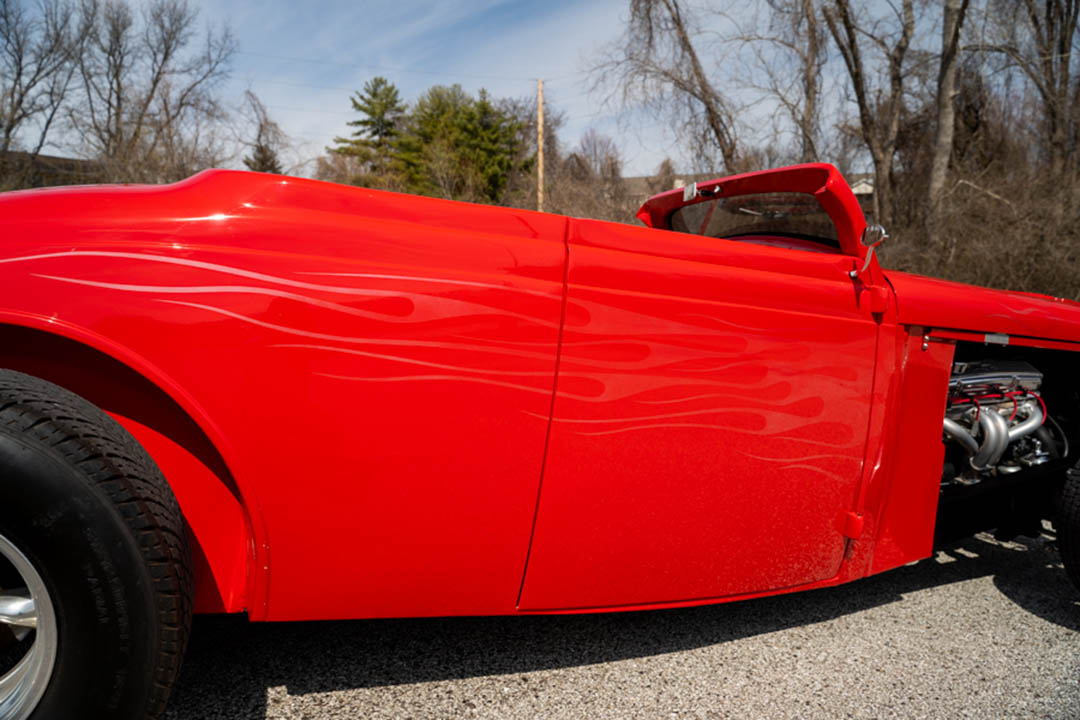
x=183, y=444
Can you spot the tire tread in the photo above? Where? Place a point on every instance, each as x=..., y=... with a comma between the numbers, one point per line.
x=1067, y=525
x=119, y=467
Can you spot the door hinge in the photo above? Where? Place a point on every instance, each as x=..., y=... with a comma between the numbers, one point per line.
x=853, y=525
x=879, y=299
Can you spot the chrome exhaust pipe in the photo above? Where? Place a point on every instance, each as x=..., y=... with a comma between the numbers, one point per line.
x=995, y=432
x=1025, y=428
x=957, y=432
x=1003, y=437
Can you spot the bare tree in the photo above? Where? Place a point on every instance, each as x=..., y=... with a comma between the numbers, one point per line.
x=600, y=154
x=808, y=47
x=522, y=183
x=36, y=70
x=338, y=168
x=954, y=12
x=879, y=107
x=265, y=149
x=664, y=179
x=656, y=63
x=590, y=180
x=147, y=109
x=790, y=55
x=448, y=172
x=1039, y=39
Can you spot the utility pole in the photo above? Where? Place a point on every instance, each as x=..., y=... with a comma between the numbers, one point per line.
x=540, y=144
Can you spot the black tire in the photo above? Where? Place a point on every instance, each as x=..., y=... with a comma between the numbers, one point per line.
x=1067, y=525
x=93, y=515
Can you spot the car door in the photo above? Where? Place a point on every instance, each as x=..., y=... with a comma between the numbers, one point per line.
x=709, y=425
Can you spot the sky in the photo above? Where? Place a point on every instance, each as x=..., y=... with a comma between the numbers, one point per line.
x=304, y=60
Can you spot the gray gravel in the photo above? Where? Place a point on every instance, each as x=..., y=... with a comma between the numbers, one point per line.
x=983, y=630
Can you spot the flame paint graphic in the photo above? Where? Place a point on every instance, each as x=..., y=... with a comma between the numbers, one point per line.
x=712, y=374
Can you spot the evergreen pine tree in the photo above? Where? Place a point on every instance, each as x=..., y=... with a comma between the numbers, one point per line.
x=263, y=159
x=382, y=112
x=269, y=138
x=458, y=147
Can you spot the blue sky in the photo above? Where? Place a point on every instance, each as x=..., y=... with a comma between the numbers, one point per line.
x=304, y=60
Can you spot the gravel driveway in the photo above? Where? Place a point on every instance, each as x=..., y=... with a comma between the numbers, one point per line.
x=983, y=630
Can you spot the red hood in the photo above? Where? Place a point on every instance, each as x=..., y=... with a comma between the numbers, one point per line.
x=942, y=304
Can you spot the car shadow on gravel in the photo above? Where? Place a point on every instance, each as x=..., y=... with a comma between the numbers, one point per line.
x=231, y=663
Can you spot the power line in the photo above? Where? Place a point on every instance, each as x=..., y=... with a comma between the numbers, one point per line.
x=388, y=68
x=602, y=114
x=317, y=111
x=576, y=73
x=307, y=87
x=320, y=111
x=260, y=81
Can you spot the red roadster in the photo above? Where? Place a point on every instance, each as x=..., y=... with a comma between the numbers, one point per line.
x=250, y=393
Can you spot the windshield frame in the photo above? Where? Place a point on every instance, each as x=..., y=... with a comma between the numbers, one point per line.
x=821, y=180
x=778, y=214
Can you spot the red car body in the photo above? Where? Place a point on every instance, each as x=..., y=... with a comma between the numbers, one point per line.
x=375, y=405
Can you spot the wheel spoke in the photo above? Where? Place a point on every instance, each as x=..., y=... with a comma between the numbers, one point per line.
x=17, y=609
x=13, y=686
x=26, y=612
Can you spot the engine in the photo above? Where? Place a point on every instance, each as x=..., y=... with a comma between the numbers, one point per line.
x=997, y=422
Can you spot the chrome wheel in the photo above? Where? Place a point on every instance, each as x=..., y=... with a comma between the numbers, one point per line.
x=27, y=634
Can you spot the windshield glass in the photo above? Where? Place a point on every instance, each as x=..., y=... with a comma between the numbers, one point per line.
x=793, y=220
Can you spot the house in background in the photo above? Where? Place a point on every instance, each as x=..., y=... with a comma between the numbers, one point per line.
x=28, y=170
x=862, y=184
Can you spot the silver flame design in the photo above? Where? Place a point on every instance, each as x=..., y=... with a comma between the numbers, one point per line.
x=728, y=383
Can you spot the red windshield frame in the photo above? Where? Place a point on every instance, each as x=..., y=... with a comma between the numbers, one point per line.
x=821, y=180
